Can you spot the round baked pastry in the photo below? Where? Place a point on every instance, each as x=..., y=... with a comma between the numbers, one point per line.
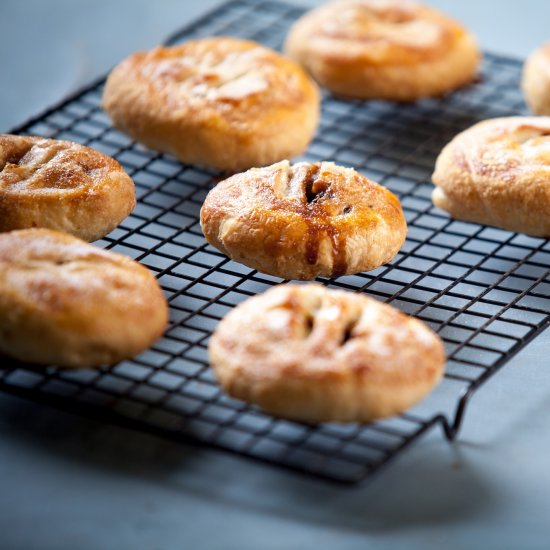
x=61, y=185
x=220, y=102
x=304, y=221
x=67, y=303
x=536, y=80
x=313, y=354
x=383, y=49
x=498, y=173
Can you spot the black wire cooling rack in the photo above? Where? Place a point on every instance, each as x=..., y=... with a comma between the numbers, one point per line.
x=485, y=291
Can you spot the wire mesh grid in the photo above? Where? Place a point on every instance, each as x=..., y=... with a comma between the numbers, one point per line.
x=485, y=291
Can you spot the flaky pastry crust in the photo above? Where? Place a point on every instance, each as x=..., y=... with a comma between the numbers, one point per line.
x=313, y=354
x=536, y=80
x=498, y=173
x=220, y=102
x=304, y=221
x=383, y=49
x=61, y=185
x=64, y=302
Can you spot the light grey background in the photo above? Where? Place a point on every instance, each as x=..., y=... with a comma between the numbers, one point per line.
x=69, y=483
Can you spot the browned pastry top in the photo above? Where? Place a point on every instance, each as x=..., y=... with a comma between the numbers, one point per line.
x=39, y=166
x=61, y=185
x=234, y=78
x=61, y=274
x=506, y=148
x=380, y=31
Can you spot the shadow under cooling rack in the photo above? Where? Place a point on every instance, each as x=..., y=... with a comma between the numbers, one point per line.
x=485, y=291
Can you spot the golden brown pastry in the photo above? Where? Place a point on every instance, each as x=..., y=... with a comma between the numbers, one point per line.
x=220, y=102
x=498, y=173
x=304, y=221
x=313, y=354
x=61, y=185
x=536, y=80
x=67, y=303
x=383, y=49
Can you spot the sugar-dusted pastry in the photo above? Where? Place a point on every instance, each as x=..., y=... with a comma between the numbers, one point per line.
x=383, y=49
x=313, y=354
x=61, y=185
x=65, y=302
x=304, y=220
x=536, y=80
x=220, y=102
x=498, y=173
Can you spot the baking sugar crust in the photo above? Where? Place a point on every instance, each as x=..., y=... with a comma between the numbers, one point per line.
x=304, y=221
x=61, y=185
x=221, y=102
x=384, y=49
x=64, y=302
x=312, y=354
x=498, y=173
x=536, y=80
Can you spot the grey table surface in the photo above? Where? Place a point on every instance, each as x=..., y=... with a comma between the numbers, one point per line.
x=70, y=483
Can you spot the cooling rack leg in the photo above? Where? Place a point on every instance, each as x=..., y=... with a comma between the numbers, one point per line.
x=451, y=429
